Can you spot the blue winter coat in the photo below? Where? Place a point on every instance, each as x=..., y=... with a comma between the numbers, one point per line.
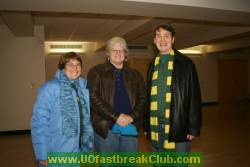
x=46, y=123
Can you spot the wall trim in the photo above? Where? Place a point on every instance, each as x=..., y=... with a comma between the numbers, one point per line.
x=15, y=132
x=210, y=103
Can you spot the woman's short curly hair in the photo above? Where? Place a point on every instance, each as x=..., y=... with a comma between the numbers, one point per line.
x=67, y=57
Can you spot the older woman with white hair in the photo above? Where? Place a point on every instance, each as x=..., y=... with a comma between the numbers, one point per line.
x=117, y=98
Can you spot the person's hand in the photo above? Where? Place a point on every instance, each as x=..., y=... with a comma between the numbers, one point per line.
x=122, y=121
x=128, y=118
x=190, y=137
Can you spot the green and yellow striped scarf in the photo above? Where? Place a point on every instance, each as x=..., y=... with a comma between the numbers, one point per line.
x=165, y=105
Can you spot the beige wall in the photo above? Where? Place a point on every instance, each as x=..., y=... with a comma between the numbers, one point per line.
x=92, y=59
x=206, y=66
x=51, y=62
x=21, y=70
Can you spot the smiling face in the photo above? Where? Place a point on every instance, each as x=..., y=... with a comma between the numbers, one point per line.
x=72, y=69
x=163, y=40
x=117, y=55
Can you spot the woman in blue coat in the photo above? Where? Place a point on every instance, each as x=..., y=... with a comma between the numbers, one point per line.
x=61, y=118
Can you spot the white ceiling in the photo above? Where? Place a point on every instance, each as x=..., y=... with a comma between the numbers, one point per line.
x=196, y=22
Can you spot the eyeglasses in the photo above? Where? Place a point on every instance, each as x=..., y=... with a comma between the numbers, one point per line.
x=117, y=51
x=70, y=65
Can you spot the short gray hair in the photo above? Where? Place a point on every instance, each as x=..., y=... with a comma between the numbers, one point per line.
x=117, y=40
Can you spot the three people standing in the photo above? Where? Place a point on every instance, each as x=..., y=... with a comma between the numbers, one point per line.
x=61, y=117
